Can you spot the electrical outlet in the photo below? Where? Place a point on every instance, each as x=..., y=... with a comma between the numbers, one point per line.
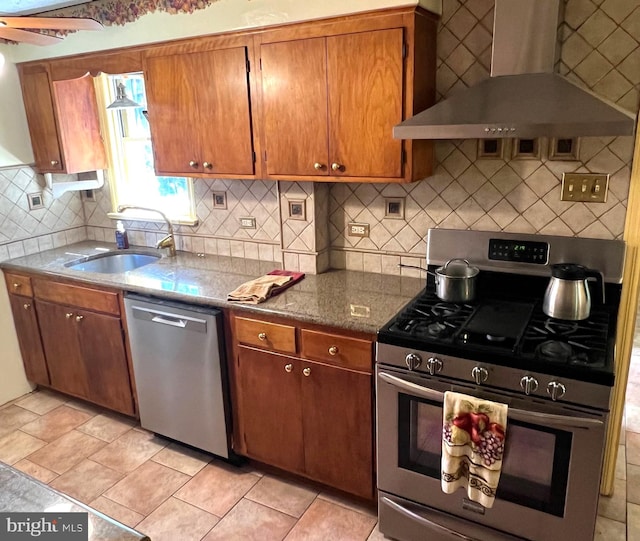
x=357, y=230
x=585, y=187
x=248, y=223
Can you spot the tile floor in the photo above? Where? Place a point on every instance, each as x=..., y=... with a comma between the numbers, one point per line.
x=161, y=488
x=171, y=492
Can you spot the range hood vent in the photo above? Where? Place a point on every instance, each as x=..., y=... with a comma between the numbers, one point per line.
x=523, y=97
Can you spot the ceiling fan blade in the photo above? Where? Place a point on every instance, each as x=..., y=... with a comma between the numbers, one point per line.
x=58, y=23
x=25, y=36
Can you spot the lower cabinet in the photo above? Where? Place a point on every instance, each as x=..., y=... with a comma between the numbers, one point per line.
x=26, y=323
x=71, y=339
x=306, y=416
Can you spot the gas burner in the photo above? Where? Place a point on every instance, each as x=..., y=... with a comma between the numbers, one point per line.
x=445, y=309
x=436, y=329
x=554, y=350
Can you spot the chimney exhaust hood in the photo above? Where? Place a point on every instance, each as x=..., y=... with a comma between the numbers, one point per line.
x=523, y=97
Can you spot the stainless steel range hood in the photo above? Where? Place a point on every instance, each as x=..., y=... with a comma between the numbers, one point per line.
x=523, y=97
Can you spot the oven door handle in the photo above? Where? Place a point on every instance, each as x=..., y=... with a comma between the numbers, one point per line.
x=548, y=419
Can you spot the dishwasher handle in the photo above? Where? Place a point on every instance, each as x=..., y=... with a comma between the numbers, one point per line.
x=167, y=318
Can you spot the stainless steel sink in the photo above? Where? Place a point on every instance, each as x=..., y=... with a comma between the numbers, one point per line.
x=113, y=262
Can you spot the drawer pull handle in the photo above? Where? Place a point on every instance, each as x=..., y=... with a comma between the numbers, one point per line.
x=307, y=372
x=207, y=165
x=79, y=318
x=26, y=305
x=193, y=164
x=69, y=315
x=288, y=367
x=336, y=166
x=16, y=285
x=262, y=336
x=54, y=162
x=333, y=350
x=317, y=166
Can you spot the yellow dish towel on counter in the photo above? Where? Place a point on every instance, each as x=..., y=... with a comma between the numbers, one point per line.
x=473, y=438
x=257, y=290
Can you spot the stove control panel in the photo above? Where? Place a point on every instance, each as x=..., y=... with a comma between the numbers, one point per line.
x=525, y=251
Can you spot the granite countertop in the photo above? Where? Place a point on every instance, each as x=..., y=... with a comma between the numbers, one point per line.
x=359, y=301
x=23, y=494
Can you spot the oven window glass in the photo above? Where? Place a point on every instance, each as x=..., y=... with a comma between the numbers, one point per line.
x=535, y=467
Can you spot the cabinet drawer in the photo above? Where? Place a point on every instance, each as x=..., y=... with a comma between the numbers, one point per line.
x=20, y=285
x=266, y=335
x=340, y=350
x=82, y=297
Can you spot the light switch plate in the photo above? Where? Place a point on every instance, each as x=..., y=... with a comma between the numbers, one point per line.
x=357, y=230
x=585, y=187
x=248, y=223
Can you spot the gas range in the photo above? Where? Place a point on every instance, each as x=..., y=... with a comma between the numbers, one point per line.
x=503, y=333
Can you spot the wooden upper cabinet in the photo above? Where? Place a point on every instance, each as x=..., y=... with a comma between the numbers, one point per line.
x=294, y=91
x=63, y=122
x=199, y=112
x=330, y=105
x=365, y=103
x=332, y=91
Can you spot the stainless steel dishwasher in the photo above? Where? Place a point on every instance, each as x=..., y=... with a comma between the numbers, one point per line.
x=180, y=376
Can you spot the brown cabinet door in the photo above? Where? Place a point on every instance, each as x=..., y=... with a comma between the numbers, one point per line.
x=172, y=85
x=336, y=407
x=58, y=328
x=101, y=347
x=26, y=323
x=224, y=114
x=269, y=408
x=294, y=90
x=365, y=80
x=77, y=113
x=38, y=104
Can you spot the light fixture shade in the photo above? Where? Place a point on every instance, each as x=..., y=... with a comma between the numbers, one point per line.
x=122, y=101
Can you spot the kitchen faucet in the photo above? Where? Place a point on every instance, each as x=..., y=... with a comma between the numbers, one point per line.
x=166, y=242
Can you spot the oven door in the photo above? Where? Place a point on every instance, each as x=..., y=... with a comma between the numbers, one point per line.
x=550, y=476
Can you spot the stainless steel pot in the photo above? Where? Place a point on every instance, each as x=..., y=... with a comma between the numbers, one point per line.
x=567, y=295
x=456, y=282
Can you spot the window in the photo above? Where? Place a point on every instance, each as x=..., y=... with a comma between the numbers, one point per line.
x=132, y=178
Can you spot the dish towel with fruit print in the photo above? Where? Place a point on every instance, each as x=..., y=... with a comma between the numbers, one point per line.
x=472, y=446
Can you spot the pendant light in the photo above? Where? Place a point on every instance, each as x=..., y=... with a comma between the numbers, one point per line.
x=122, y=101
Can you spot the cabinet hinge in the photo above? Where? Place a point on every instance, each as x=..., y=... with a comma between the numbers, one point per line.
x=254, y=157
x=404, y=50
x=260, y=62
x=248, y=65
x=265, y=155
x=403, y=154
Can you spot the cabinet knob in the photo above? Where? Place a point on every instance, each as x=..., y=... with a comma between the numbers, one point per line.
x=207, y=165
x=79, y=318
x=16, y=285
x=288, y=367
x=336, y=166
x=333, y=350
x=26, y=305
x=54, y=162
x=318, y=166
x=262, y=336
x=307, y=372
x=69, y=315
x=193, y=164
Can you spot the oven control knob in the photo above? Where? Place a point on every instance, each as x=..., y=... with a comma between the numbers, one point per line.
x=412, y=361
x=556, y=390
x=480, y=374
x=434, y=365
x=529, y=384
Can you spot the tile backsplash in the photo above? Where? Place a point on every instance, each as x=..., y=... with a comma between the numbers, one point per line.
x=600, y=50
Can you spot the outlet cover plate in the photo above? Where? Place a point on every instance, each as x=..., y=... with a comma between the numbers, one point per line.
x=585, y=187
x=248, y=222
x=357, y=230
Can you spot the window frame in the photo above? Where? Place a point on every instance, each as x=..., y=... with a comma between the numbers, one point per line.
x=116, y=160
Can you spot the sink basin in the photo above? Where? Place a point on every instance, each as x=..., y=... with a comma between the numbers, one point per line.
x=113, y=262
